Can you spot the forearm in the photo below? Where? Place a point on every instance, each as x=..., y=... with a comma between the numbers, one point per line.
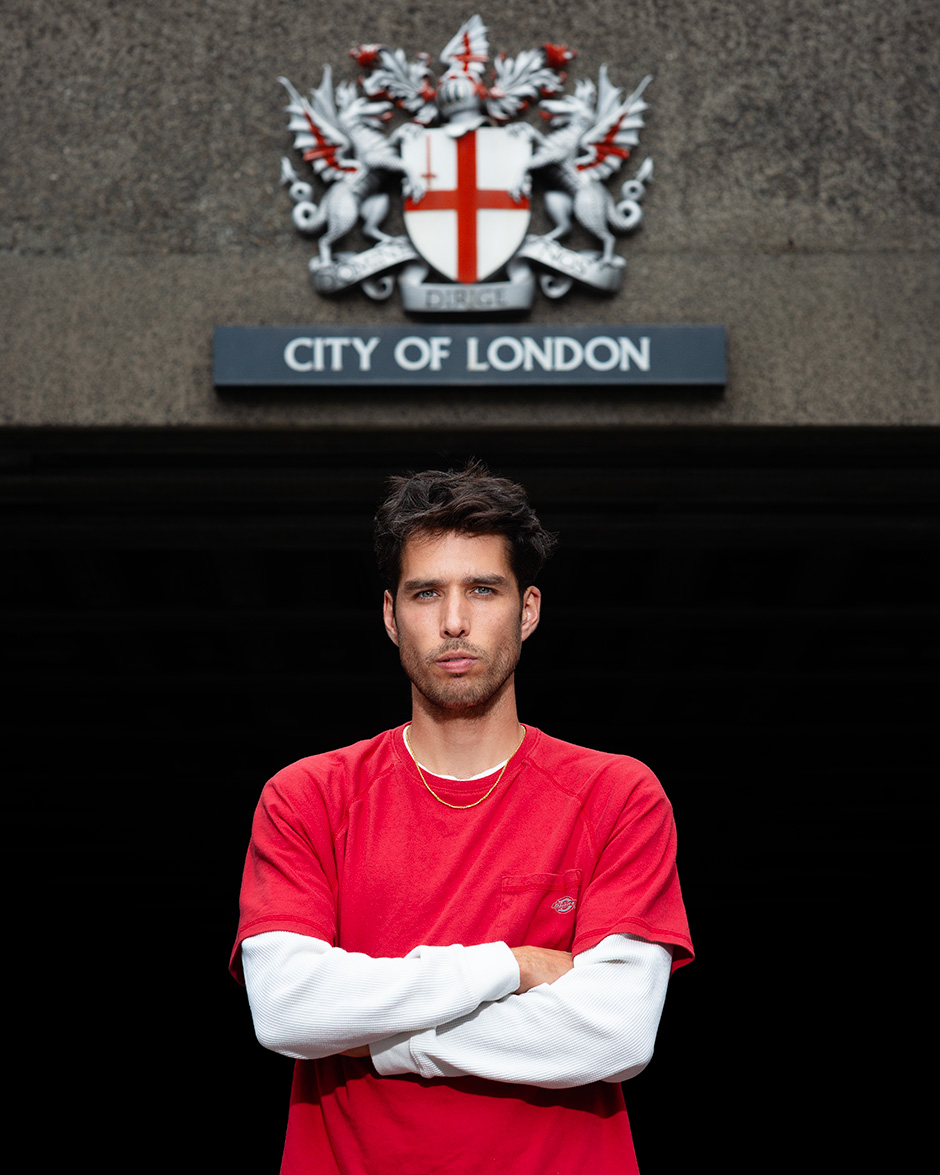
x=311, y=1000
x=598, y=1022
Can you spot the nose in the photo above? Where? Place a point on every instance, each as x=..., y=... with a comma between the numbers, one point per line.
x=454, y=616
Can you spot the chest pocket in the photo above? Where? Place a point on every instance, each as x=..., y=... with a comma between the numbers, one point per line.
x=540, y=909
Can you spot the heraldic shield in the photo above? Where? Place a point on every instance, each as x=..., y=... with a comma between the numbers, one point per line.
x=475, y=210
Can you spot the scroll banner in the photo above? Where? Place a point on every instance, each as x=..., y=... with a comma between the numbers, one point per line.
x=460, y=356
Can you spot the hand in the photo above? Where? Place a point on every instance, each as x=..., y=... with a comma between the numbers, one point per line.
x=413, y=188
x=523, y=189
x=540, y=965
x=361, y=1050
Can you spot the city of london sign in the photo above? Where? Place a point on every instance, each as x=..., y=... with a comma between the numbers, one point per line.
x=464, y=163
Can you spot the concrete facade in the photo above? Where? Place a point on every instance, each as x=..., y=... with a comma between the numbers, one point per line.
x=796, y=200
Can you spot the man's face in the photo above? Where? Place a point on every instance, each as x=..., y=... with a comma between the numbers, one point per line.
x=458, y=619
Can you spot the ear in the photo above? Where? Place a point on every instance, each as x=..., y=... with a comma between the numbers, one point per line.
x=388, y=615
x=531, y=609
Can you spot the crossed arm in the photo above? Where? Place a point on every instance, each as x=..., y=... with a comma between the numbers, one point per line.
x=525, y=1015
x=536, y=965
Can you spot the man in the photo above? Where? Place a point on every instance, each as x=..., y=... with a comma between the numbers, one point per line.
x=463, y=928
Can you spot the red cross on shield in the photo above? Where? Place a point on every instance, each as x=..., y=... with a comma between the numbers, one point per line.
x=467, y=224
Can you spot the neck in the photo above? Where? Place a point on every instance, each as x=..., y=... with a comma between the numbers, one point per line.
x=464, y=743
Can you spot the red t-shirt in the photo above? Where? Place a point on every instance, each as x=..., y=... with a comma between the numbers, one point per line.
x=349, y=847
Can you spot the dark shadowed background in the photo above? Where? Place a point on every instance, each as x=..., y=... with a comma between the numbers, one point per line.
x=755, y=617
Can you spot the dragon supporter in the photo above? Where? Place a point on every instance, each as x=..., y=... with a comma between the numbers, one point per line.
x=462, y=928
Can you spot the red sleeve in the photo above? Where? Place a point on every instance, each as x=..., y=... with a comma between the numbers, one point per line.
x=635, y=887
x=290, y=879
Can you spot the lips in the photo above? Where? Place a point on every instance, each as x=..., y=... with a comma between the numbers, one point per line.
x=456, y=662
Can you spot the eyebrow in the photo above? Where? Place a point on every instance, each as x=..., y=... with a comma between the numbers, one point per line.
x=419, y=585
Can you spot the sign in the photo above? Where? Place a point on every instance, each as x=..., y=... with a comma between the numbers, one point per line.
x=533, y=356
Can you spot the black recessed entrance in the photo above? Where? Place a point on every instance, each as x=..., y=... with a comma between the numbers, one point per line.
x=753, y=613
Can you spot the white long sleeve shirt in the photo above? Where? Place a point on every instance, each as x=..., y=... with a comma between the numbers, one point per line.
x=450, y=1011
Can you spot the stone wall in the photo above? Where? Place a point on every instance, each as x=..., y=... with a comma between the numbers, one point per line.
x=795, y=200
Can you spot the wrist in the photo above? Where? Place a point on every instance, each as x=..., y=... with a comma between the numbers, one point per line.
x=525, y=979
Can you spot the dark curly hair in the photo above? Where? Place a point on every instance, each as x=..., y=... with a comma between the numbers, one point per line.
x=468, y=501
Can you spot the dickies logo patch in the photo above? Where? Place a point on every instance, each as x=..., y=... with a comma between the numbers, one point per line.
x=564, y=905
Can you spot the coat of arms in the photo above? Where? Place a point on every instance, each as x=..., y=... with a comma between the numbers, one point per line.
x=464, y=162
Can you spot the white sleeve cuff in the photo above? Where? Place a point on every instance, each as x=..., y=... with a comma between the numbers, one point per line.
x=392, y=1056
x=492, y=970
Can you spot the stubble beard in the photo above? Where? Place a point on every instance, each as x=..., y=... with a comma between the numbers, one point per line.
x=461, y=695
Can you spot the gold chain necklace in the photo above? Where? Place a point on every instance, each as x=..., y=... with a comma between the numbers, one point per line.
x=462, y=807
